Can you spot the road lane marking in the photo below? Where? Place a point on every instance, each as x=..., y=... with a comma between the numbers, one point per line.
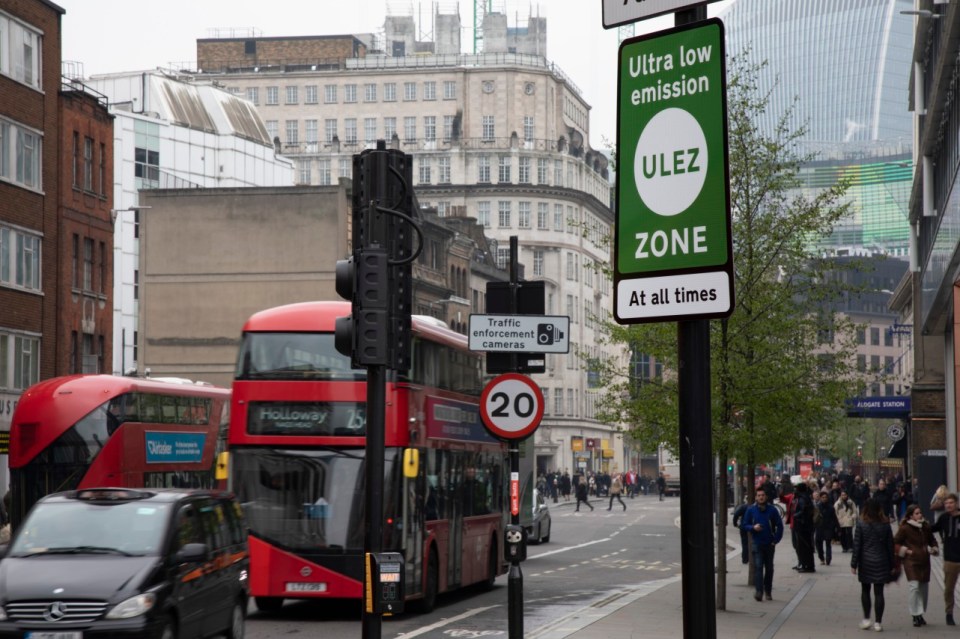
x=445, y=622
x=559, y=550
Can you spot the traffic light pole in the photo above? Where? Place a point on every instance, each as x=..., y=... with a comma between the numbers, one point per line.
x=515, y=576
x=371, y=624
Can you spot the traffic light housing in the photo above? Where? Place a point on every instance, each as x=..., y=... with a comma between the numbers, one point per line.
x=377, y=278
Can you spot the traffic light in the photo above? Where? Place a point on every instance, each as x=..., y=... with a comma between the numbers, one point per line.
x=377, y=277
x=730, y=465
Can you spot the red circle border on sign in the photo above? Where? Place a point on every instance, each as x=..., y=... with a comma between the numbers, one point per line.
x=499, y=432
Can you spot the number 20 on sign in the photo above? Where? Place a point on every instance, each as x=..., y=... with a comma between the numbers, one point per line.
x=511, y=406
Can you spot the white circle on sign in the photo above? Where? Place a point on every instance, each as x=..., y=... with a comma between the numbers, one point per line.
x=670, y=164
x=511, y=406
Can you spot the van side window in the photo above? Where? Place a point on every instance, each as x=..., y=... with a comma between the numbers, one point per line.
x=213, y=524
x=189, y=529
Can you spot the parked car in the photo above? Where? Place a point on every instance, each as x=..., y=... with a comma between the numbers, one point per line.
x=121, y=562
x=539, y=531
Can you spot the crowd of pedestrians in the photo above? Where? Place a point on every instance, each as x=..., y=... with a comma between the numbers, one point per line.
x=883, y=529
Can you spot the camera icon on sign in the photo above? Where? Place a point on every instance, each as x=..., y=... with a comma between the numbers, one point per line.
x=547, y=334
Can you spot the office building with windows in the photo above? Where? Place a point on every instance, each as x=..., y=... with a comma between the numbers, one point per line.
x=500, y=136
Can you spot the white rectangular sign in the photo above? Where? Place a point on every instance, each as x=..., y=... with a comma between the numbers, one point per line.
x=520, y=333
x=674, y=296
x=617, y=12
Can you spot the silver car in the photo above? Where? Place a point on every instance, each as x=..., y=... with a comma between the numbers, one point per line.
x=539, y=530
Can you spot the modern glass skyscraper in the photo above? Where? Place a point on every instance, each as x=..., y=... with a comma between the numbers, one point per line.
x=843, y=66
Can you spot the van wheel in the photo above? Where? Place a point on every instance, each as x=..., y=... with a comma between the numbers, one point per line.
x=429, y=601
x=237, y=619
x=269, y=604
x=168, y=631
x=546, y=538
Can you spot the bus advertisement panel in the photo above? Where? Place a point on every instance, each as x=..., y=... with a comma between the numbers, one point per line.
x=298, y=449
x=81, y=431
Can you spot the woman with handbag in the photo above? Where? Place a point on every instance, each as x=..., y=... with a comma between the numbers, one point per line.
x=914, y=543
x=872, y=560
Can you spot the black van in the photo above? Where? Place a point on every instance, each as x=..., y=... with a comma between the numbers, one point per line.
x=121, y=562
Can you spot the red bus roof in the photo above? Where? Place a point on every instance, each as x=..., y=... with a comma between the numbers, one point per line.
x=320, y=317
x=60, y=402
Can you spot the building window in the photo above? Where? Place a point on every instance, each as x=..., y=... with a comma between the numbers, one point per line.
x=449, y=90
x=293, y=132
x=558, y=402
x=390, y=92
x=528, y=127
x=503, y=257
x=303, y=171
x=541, y=171
x=253, y=94
x=573, y=267
x=329, y=130
x=558, y=217
x=87, y=264
x=483, y=214
x=410, y=128
x=147, y=165
x=75, y=282
x=447, y=128
x=102, y=282
x=346, y=167
x=292, y=97
x=409, y=91
x=874, y=336
x=369, y=130
x=558, y=172
x=443, y=170
x=19, y=148
x=389, y=128
x=503, y=214
x=424, y=170
x=273, y=96
x=19, y=354
x=311, y=133
x=76, y=160
x=323, y=172
x=102, y=176
x=429, y=90
x=483, y=169
x=329, y=94
x=538, y=262
x=523, y=170
x=136, y=284
x=19, y=52
x=504, y=175
x=349, y=93
x=310, y=94
x=429, y=127
x=350, y=130
x=543, y=216
x=370, y=92
x=273, y=130
x=523, y=215
x=487, y=131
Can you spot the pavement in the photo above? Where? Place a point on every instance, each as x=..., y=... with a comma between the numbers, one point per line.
x=823, y=604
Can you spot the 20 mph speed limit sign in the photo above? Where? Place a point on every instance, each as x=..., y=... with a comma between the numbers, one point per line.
x=511, y=406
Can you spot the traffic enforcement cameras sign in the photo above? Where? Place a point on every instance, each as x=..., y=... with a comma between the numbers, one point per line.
x=673, y=252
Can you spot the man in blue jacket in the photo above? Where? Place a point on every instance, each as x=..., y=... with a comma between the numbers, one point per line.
x=762, y=521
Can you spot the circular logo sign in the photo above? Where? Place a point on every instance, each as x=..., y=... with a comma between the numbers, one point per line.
x=511, y=406
x=670, y=164
x=895, y=432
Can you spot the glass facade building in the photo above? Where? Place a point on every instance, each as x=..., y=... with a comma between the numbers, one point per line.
x=843, y=67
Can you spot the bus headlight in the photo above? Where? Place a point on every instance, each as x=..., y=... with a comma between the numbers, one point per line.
x=133, y=607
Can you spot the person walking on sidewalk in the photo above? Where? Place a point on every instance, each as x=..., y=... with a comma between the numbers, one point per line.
x=847, y=513
x=872, y=560
x=825, y=528
x=581, y=494
x=948, y=525
x=915, y=543
x=803, y=527
x=661, y=485
x=738, y=514
x=616, y=487
x=762, y=521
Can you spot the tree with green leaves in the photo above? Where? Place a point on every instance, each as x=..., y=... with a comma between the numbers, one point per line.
x=783, y=363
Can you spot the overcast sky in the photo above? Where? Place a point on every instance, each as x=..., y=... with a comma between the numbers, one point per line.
x=123, y=35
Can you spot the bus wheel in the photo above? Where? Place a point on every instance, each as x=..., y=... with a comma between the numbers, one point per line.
x=493, y=562
x=269, y=604
x=429, y=600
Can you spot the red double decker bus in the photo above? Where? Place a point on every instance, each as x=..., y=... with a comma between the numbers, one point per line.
x=297, y=453
x=81, y=431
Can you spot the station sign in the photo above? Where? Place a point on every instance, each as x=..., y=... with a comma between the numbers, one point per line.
x=673, y=253
x=519, y=333
x=618, y=12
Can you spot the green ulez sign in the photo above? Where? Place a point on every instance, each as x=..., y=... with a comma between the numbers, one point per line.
x=673, y=250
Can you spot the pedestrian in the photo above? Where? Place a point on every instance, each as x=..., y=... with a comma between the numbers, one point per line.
x=565, y=485
x=616, y=486
x=858, y=492
x=884, y=495
x=661, y=486
x=581, y=494
x=762, y=521
x=825, y=528
x=903, y=499
x=738, y=514
x=915, y=543
x=847, y=513
x=936, y=502
x=803, y=527
x=948, y=525
x=872, y=560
